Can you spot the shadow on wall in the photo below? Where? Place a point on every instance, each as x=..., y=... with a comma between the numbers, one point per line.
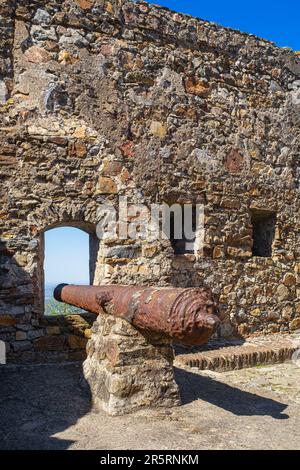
x=16, y=286
x=22, y=267
x=29, y=335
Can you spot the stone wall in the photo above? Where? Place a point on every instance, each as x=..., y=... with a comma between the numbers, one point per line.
x=54, y=338
x=106, y=98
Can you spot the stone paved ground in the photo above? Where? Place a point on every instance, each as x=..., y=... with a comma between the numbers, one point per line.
x=43, y=407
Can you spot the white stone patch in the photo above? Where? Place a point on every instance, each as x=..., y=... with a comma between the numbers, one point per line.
x=170, y=81
x=2, y=352
x=296, y=84
x=205, y=159
x=295, y=95
x=42, y=17
x=42, y=34
x=73, y=37
x=3, y=92
x=139, y=99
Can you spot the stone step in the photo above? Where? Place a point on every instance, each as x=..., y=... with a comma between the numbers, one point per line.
x=249, y=354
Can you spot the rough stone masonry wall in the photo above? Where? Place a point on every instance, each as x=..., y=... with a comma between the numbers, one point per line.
x=108, y=98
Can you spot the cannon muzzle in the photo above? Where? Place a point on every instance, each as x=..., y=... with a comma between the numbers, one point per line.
x=187, y=315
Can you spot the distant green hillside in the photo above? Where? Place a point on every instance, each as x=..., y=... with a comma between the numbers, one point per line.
x=52, y=307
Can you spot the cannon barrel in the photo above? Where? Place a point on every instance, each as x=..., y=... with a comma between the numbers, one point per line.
x=187, y=315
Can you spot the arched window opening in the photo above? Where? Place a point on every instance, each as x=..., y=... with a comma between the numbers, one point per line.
x=69, y=257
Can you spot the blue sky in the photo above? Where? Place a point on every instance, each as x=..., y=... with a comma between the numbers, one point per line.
x=66, y=256
x=270, y=19
x=67, y=249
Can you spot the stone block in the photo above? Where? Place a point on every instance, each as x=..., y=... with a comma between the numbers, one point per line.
x=20, y=346
x=85, y=4
x=37, y=55
x=3, y=92
x=283, y=292
x=77, y=149
x=234, y=161
x=289, y=279
x=21, y=335
x=197, y=87
x=295, y=324
x=76, y=342
x=106, y=186
x=53, y=330
x=111, y=168
x=49, y=343
x=8, y=320
x=158, y=129
x=33, y=334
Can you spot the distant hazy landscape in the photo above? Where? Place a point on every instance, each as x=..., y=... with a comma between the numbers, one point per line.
x=52, y=307
x=66, y=261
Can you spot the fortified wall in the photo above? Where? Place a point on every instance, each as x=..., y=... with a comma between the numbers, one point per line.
x=101, y=99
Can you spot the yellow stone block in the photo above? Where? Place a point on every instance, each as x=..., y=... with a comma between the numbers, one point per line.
x=255, y=312
x=158, y=129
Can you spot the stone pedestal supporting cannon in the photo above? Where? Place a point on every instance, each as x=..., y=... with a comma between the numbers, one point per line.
x=130, y=354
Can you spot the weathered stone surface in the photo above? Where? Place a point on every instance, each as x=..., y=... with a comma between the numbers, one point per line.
x=33, y=334
x=65, y=57
x=196, y=86
x=199, y=113
x=8, y=320
x=283, y=292
x=20, y=346
x=111, y=168
x=41, y=17
x=106, y=185
x=287, y=312
x=254, y=352
x=21, y=335
x=76, y=342
x=85, y=4
x=289, y=280
x=3, y=92
x=217, y=253
x=37, y=55
x=158, y=129
x=234, y=161
x=256, y=312
x=126, y=371
x=295, y=324
x=123, y=251
x=127, y=149
x=49, y=343
x=77, y=149
x=230, y=203
x=53, y=330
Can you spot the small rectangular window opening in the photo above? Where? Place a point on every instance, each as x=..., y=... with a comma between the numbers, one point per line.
x=182, y=245
x=263, y=227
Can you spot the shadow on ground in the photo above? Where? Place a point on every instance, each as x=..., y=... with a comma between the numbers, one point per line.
x=195, y=387
x=212, y=345
x=39, y=401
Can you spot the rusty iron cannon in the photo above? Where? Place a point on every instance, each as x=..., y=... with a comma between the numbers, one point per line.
x=187, y=315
